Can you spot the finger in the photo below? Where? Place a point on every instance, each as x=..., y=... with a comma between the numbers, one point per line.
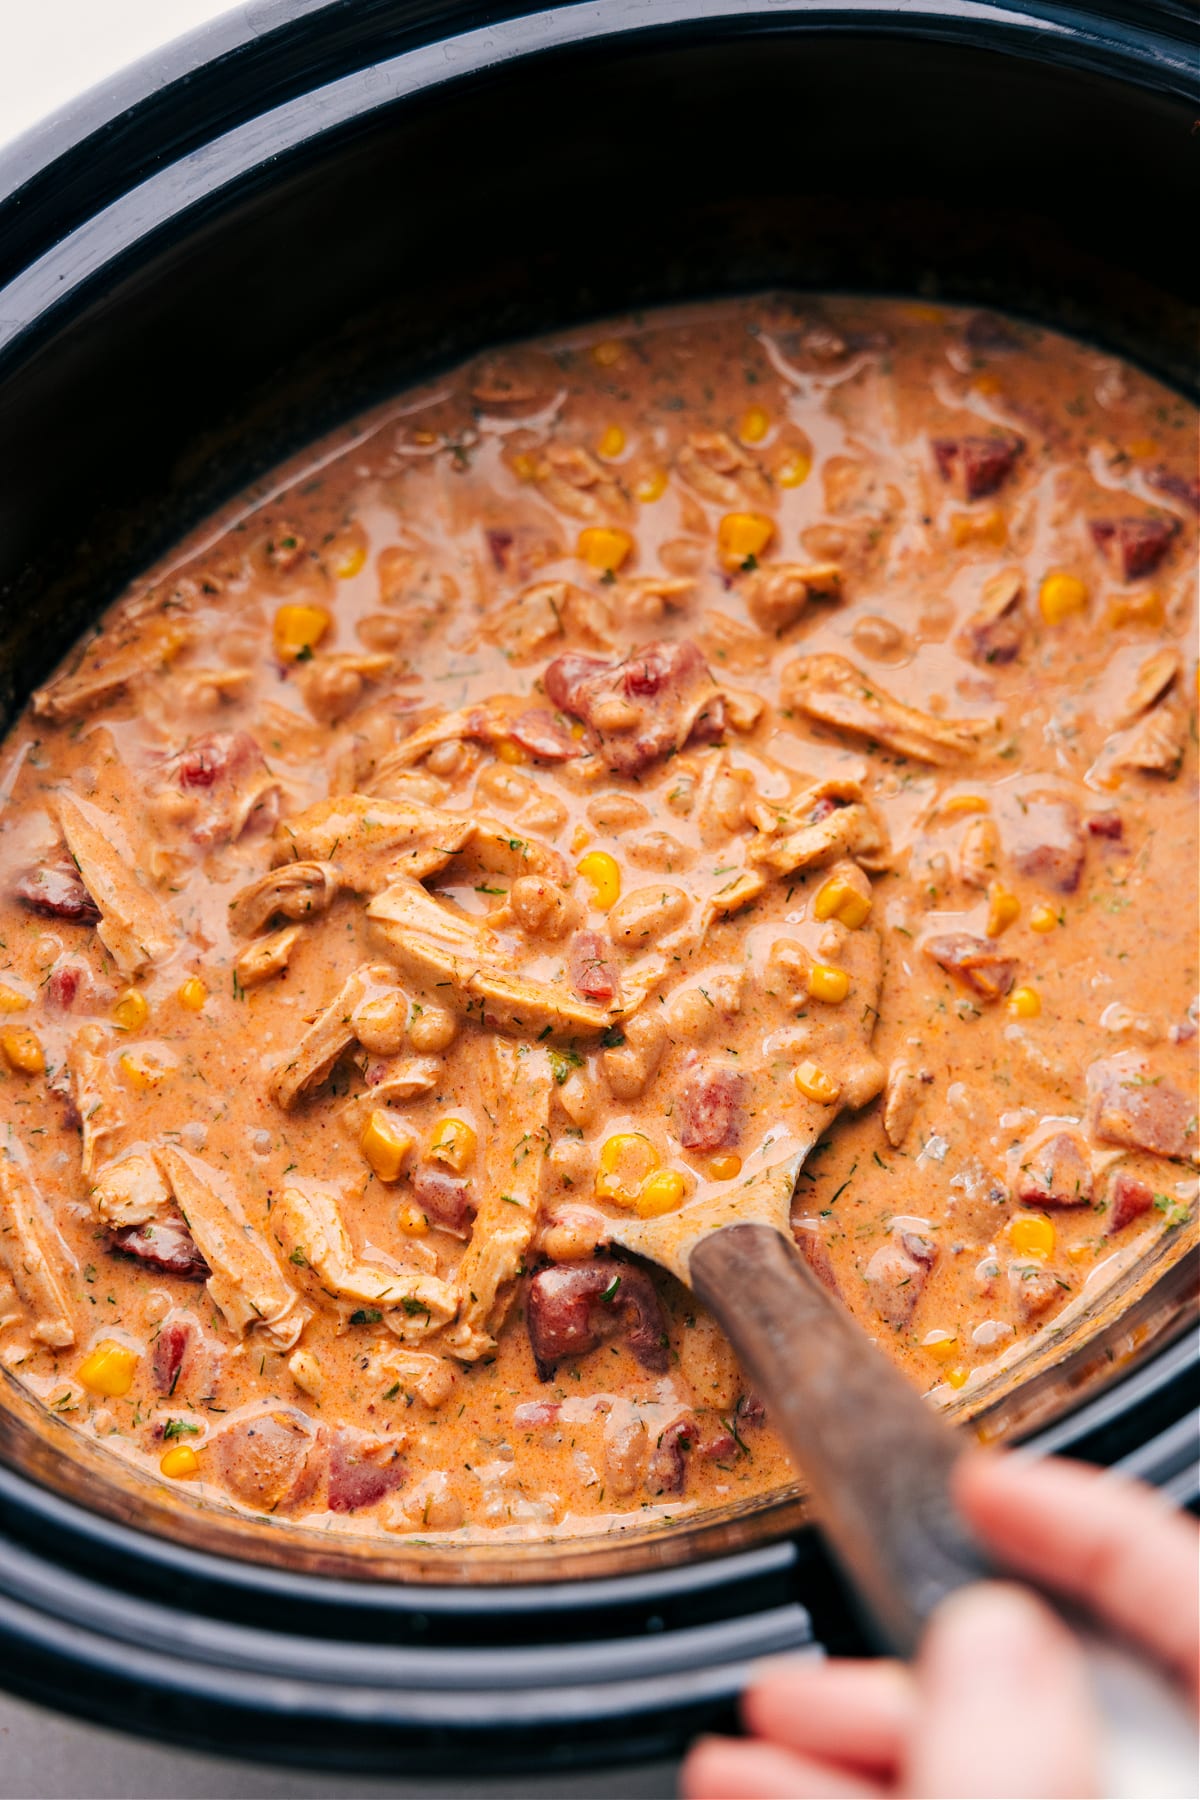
x=727, y=1769
x=853, y=1713
x=1111, y=1544
x=1003, y=1708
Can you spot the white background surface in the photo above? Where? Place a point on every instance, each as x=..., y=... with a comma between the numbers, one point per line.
x=51, y=51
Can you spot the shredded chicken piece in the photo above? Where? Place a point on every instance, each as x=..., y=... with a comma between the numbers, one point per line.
x=499, y=850
x=405, y=1079
x=330, y=1033
x=313, y=1234
x=266, y=956
x=825, y=821
x=369, y=840
x=571, y=479
x=742, y=891
x=719, y=470
x=832, y=691
x=130, y=1192
x=298, y=890
x=246, y=1283
x=108, y=665
x=518, y=1084
x=1155, y=744
x=133, y=926
x=431, y=1378
x=42, y=1268
x=473, y=969
x=95, y=1094
x=979, y=852
x=544, y=613
x=1157, y=674
x=900, y=1102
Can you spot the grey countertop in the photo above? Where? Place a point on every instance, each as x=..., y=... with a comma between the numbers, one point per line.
x=44, y=1756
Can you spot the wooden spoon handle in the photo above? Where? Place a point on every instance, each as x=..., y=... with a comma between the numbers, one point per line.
x=878, y=1460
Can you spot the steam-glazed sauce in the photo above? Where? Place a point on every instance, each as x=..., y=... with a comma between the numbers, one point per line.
x=551, y=799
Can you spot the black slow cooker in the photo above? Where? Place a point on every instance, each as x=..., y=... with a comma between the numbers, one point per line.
x=273, y=223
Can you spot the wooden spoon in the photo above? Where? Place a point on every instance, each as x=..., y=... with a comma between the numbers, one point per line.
x=878, y=1460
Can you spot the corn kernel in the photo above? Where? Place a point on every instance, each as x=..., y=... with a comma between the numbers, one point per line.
x=1060, y=595
x=412, y=1221
x=1043, y=918
x=510, y=752
x=1080, y=1252
x=143, y=1069
x=22, y=1050
x=305, y=1371
x=347, y=558
x=1032, y=1234
x=827, y=983
x=725, y=1167
x=424, y=438
x=661, y=1192
x=603, y=876
x=794, y=470
x=815, y=1084
x=987, y=528
x=838, y=899
x=1137, y=609
x=192, y=994
x=179, y=1463
x=651, y=487
x=918, y=312
x=941, y=1345
x=131, y=1010
x=986, y=383
x=742, y=538
x=606, y=353
x=957, y=1377
x=109, y=1369
x=612, y=442
x=754, y=426
x=581, y=837
x=299, y=629
x=957, y=804
x=453, y=1144
x=1003, y=909
x=626, y=1160
x=523, y=466
x=384, y=1144
x=603, y=548
x=1024, y=1003
x=11, y=1001
x=1144, y=446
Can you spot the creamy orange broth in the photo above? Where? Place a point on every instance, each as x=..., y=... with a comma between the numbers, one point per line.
x=345, y=927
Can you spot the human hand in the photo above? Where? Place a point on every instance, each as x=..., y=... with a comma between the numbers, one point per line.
x=998, y=1701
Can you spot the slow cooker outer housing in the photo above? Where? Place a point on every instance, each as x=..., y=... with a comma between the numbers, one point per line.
x=309, y=204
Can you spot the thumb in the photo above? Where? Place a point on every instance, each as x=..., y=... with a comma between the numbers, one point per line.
x=1003, y=1707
